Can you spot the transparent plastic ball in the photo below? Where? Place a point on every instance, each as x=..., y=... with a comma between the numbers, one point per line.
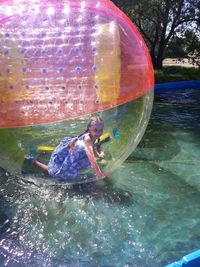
x=62, y=63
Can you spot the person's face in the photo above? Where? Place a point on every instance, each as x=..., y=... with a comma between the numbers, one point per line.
x=96, y=129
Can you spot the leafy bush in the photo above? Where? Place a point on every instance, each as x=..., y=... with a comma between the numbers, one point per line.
x=176, y=73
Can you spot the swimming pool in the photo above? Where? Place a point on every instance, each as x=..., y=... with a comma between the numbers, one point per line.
x=146, y=214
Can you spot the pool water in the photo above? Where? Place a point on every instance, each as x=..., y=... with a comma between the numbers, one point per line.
x=146, y=214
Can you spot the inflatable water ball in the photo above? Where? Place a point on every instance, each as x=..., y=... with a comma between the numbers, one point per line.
x=63, y=62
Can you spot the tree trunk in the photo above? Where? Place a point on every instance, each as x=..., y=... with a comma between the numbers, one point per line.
x=160, y=56
x=153, y=58
x=159, y=63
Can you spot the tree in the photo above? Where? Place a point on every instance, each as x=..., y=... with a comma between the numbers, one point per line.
x=192, y=41
x=160, y=20
x=176, y=48
x=185, y=46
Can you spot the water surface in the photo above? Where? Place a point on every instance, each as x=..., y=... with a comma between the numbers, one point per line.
x=145, y=215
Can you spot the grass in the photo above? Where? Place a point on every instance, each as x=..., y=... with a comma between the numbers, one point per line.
x=176, y=73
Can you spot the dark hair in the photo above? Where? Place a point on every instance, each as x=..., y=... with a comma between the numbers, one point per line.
x=92, y=119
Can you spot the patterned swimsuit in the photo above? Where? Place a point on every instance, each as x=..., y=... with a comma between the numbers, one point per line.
x=66, y=165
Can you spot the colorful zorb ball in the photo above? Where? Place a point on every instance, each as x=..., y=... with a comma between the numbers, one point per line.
x=62, y=62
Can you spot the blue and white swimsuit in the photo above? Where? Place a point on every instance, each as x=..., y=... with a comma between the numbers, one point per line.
x=65, y=164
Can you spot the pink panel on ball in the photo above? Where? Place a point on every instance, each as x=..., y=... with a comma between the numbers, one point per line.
x=56, y=64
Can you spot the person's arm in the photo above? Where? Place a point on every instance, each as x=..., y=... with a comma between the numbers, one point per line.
x=91, y=157
x=97, y=150
x=73, y=143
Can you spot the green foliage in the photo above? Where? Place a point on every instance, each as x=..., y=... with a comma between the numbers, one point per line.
x=176, y=73
x=176, y=48
x=160, y=20
x=186, y=46
x=192, y=42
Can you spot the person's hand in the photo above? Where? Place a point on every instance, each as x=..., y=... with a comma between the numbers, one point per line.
x=104, y=175
x=101, y=155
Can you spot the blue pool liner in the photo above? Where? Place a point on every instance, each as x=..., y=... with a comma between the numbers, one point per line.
x=178, y=85
x=190, y=260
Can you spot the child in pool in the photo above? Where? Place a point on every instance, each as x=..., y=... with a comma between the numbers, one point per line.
x=73, y=155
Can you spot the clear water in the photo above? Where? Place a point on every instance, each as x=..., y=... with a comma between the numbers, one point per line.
x=146, y=214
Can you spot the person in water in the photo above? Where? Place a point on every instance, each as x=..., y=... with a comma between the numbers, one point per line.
x=75, y=154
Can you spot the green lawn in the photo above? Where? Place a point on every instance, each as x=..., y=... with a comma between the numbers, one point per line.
x=176, y=73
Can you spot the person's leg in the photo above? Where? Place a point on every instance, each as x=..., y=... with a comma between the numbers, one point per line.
x=41, y=166
x=33, y=161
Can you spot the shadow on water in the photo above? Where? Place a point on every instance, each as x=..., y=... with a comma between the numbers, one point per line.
x=104, y=190
x=96, y=189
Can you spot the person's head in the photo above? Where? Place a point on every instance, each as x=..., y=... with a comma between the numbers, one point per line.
x=95, y=127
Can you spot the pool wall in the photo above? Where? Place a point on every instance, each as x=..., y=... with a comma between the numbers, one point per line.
x=190, y=260
x=178, y=85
